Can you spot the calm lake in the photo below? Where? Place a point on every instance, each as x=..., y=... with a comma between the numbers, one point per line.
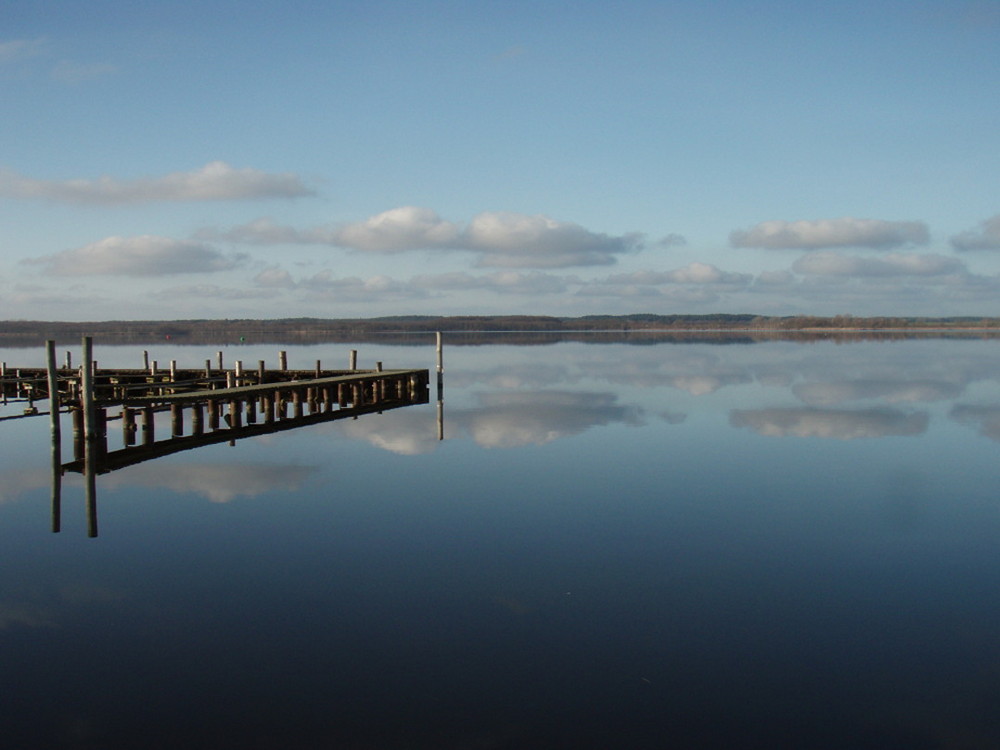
x=684, y=545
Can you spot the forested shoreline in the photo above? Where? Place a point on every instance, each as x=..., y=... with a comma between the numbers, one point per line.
x=404, y=328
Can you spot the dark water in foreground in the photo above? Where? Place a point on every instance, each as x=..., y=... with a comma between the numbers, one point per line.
x=677, y=545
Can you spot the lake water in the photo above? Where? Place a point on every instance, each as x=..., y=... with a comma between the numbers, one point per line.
x=685, y=545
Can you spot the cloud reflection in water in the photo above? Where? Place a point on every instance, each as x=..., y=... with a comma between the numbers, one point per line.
x=839, y=424
x=219, y=483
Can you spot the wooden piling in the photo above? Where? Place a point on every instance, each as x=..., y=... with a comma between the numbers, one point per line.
x=128, y=426
x=87, y=389
x=235, y=415
x=283, y=361
x=53, y=379
x=353, y=362
x=148, y=426
x=176, y=420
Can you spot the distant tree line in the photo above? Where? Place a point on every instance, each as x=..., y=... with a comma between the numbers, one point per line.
x=409, y=328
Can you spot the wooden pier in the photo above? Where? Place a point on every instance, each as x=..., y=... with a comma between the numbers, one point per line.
x=205, y=406
x=203, y=417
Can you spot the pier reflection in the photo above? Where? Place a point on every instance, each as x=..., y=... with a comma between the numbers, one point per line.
x=245, y=418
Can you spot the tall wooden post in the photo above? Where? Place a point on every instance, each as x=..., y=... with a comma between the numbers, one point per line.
x=50, y=357
x=89, y=434
x=353, y=360
x=440, y=367
x=282, y=361
x=87, y=390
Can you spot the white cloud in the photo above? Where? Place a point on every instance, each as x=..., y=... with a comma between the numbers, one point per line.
x=502, y=282
x=215, y=181
x=894, y=264
x=501, y=239
x=509, y=240
x=825, y=233
x=396, y=230
x=692, y=273
x=354, y=289
x=986, y=237
x=145, y=255
x=695, y=284
x=274, y=278
x=20, y=49
x=213, y=292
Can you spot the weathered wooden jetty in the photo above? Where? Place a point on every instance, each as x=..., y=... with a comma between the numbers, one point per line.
x=206, y=405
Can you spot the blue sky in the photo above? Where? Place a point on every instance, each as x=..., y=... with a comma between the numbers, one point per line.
x=343, y=159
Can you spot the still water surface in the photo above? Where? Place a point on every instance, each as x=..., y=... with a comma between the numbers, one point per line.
x=673, y=545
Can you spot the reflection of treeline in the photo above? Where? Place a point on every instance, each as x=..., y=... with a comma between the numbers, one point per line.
x=516, y=329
